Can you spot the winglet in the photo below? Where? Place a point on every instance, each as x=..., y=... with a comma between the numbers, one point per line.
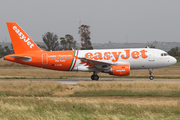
x=20, y=40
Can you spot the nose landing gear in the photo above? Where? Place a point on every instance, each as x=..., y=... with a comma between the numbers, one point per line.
x=150, y=73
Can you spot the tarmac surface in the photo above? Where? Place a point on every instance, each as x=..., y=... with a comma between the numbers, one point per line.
x=73, y=81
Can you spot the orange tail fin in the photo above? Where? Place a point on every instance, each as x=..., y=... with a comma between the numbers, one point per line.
x=20, y=40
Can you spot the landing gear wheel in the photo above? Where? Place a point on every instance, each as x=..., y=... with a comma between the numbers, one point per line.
x=151, y=77
x=95, y=77
x=150, y=73
x=92, y=77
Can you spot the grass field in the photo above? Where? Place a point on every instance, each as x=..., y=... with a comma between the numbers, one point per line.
x=96, y=100
x=90, y=88
x=50, y=100
x=21, y=108
x=129, y=88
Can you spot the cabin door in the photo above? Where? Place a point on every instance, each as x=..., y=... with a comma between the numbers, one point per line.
x=44, y=58
x=151, y=55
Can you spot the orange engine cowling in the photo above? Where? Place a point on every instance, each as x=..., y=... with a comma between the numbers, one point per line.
x=119, y=70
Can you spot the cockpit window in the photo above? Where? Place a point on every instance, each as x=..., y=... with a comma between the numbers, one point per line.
x=164, y=54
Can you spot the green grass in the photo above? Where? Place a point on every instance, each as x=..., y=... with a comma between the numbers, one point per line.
x=37, y=108
x=128, y=88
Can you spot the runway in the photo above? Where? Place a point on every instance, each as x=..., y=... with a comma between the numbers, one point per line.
x=73, y=81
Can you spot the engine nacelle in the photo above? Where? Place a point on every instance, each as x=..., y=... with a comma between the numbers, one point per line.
x=119, y=70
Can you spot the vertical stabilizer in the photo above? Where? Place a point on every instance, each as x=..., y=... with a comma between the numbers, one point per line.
x=20, y=40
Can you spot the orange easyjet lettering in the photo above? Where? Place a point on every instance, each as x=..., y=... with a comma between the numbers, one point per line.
x=135, y=54
x=127, y=54
x=89, y=55
x=98, y=56
x=117, y=55
x=107, y=56
x=143, y=54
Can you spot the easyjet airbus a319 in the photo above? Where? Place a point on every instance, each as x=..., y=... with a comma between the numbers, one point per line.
x=117, y=62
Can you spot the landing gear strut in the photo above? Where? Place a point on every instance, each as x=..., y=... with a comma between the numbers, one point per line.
x=95, y=76
x=150, y=73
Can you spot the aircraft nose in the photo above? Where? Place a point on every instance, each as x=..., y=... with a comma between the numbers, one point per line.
x=173, y=60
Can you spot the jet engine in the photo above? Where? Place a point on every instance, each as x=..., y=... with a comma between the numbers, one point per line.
x=119, y=70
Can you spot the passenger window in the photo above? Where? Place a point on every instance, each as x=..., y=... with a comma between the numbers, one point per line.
x=52, y=58
x=57, y=58
x=161, y=54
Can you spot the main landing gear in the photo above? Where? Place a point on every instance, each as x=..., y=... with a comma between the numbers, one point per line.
x=95, y=76
x=150, y=72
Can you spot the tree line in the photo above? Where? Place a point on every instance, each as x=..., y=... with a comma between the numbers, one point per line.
x=175, y=52
x=6, y=51
x=53, y=43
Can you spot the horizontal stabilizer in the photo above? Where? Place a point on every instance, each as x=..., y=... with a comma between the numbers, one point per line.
x=25, y=59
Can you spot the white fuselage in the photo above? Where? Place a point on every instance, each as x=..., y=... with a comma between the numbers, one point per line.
x=137, y=58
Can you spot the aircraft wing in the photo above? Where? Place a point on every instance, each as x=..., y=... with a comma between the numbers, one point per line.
x=99, y=64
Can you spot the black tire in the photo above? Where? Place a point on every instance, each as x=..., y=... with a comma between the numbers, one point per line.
x=151, y=77
x=96, y=77
x=92, y=77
